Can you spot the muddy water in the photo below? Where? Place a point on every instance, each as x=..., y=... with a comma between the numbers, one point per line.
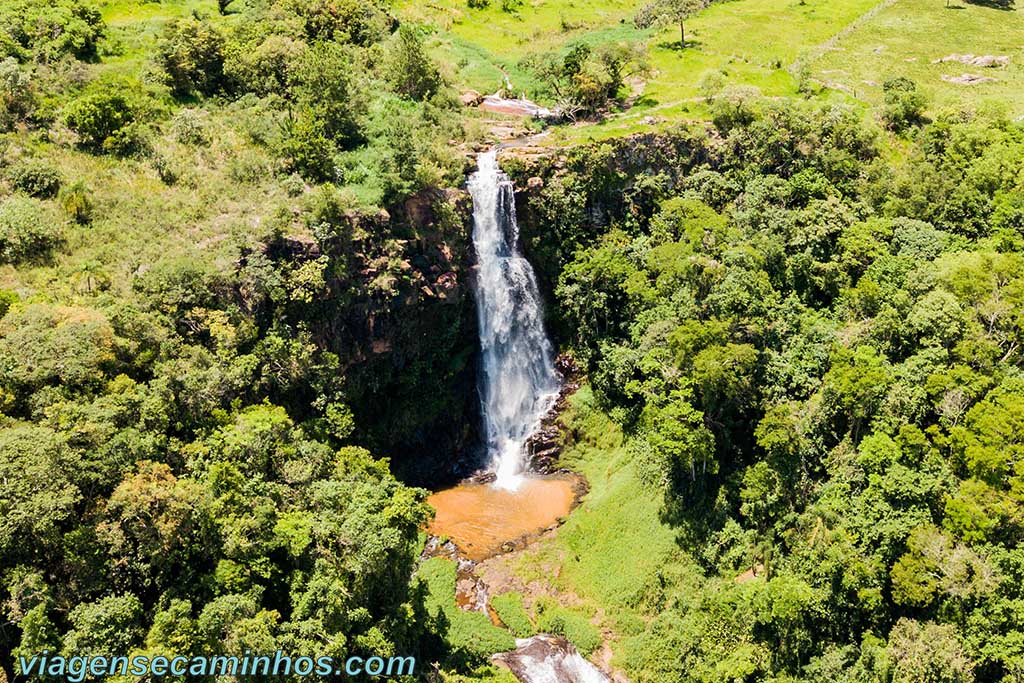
x=479, y=518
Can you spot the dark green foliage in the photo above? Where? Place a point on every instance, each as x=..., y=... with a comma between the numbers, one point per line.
x=411, y=72
x=904, y=104
x=35, y=178
x=191, y=54
x=817, y=371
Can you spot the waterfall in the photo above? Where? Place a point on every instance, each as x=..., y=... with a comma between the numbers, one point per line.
x=518, y=382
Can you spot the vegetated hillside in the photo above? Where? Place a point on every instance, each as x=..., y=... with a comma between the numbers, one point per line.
x=811, y=356
x=227, y=267
x=232, y=280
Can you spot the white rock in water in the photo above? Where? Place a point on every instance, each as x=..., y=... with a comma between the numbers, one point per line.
x=549, y=659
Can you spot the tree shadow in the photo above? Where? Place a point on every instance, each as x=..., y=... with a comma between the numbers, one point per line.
x=674, y=46
x=644, y=101
x=1004, y=5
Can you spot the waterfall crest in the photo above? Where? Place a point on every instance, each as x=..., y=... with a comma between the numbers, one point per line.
x=518, y=382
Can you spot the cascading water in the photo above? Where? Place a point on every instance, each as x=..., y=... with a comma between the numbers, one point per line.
x=518, y=383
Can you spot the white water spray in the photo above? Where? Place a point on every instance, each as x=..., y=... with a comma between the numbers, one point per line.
x=518, y=383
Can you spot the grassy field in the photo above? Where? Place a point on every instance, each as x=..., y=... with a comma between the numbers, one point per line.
x=730, y=38
x=906, y=37
x=849, y=48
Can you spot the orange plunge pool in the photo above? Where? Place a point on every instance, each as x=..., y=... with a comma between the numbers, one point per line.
x=479, y=518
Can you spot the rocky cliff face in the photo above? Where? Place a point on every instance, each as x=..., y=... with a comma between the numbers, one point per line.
x=396, y=311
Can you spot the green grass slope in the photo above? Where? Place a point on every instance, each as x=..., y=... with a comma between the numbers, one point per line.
x=906, y=37
x=613, y=551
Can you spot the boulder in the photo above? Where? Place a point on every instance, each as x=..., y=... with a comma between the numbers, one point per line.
x=471, y=98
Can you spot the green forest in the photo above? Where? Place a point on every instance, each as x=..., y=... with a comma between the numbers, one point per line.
x=238, y=341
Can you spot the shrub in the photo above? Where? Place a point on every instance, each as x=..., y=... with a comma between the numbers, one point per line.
x=50, y=30
x=904, y=104
x=7, y=299
x=361, y=22
x=264, y=69
x=553, y=618
x=735, y=107
x=410, y=70
x=35, y=178
x=75, y=201
x=322, y=82
x=132, y=140
x=293, y=185
x=711, y=83
x=191, y=55
x=509, y=607
x=26, y=229
x=189, y=127
x=17, y=99
x=308, y=150
x=98, y=117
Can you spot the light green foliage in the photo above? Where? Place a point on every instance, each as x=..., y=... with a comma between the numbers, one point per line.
x=904, y=104
x=509, y=607
x=471, y=634
x=38, y=491
x=928, y=652
x=584, y=80
x=110, y=625
x=671, y=12
x=17, y=93
x=191, y=54
x=576, y=627
x=824, y=395
x=43, y=345
x=28, y=229
x=75, y=200
x=990, y=438
x=35, y=178
x=100, y=117
x=801, y=332
x=48, y=31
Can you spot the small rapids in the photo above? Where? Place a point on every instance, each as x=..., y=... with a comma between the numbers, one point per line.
x=549, y=659
x=518, y=382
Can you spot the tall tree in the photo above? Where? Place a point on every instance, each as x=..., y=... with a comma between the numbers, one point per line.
x=663, y=12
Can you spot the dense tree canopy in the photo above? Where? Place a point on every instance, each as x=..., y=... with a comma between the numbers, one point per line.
x=818, y=366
